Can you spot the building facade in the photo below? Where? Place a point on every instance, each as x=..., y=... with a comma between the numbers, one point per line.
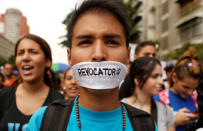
x=6, y=47
x=190, y=21
x=172, y=22
x=147, y=17
x=181, y=21
x=13, y=24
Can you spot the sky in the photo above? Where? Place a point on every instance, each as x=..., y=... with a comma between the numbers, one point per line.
x=45, y=18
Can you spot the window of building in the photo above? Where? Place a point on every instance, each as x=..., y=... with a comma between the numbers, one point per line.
x=165, y=8
x=164, y=42
x=191, y=29
x=164, y=25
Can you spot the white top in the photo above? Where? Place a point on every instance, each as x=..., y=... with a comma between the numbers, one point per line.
x=165, y=118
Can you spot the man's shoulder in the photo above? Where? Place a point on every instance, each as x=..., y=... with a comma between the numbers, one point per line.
x=36, y=119
x=57, y=114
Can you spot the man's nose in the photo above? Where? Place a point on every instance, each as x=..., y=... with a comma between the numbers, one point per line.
x=99, y=51
x=151, y=55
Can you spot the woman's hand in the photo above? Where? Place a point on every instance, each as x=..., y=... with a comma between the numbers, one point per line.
x=183, y=117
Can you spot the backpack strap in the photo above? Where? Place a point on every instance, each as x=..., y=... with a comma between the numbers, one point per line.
x=57, y=115
x=140, y=120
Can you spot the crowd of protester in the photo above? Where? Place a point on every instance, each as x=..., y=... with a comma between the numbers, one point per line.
x=142, y=99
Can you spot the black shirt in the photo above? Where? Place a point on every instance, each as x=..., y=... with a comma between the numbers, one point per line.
x=15, y=120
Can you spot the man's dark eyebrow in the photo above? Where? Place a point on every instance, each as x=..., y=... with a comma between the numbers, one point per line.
x=107, y=36
x=112, y=36
x=84, y=37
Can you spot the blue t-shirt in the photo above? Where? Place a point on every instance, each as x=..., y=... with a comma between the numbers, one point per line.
x=177, y=102
x=90, y=120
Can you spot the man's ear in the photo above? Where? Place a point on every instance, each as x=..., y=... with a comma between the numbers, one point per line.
x=174, y=77
x=69, y=56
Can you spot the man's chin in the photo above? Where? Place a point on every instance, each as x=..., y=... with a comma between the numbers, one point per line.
x=99, y=91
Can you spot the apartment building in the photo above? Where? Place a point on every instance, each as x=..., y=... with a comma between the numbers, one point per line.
x=13, y=24
x=181, y=21
x=6, y=47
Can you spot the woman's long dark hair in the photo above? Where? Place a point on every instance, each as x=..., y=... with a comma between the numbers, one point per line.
x=141, y=69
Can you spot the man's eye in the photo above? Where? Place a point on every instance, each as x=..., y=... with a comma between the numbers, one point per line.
x=146, y=54
x=112, y=42
x=85, y=42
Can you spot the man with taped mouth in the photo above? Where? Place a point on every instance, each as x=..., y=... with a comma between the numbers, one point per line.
x=98, y=54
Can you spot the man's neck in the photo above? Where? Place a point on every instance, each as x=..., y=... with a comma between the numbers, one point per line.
x=104, y=100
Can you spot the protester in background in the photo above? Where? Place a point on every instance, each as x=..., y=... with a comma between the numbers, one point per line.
x=146, y=48
x=17, y=104
x=98, y=36
x=168, y=69
x=8, y=74
x=143, y=81
x=1, y=80
x=70, y=85
x=182, y=93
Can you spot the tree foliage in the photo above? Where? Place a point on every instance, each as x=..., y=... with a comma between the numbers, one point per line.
x=2, y=61
x=178, y=52
x=132, y=21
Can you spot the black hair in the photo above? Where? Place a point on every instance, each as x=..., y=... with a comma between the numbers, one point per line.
x=114, y=7
x=143, y=44
x=141, y=69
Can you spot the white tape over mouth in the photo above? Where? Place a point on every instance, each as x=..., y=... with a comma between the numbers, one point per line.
x=99, y=75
